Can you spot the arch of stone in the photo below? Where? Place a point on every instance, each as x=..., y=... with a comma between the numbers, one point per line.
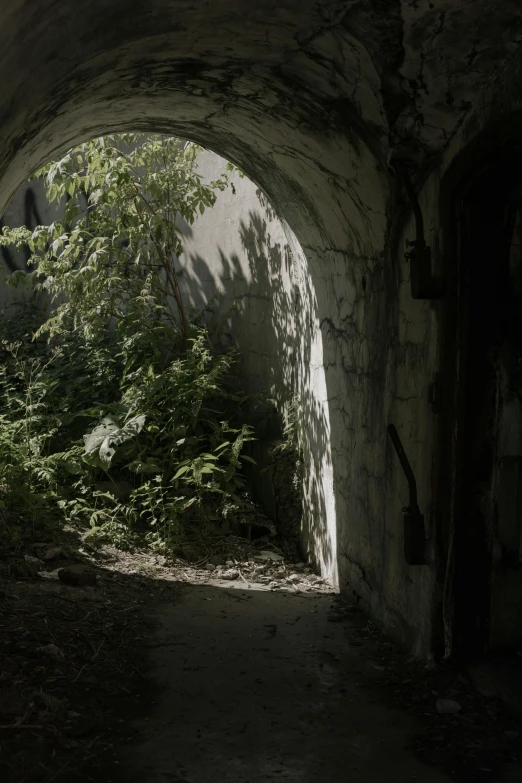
x=313, y=100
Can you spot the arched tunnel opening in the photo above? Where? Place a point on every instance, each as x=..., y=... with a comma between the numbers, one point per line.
x=242, y=277
x=371, y=130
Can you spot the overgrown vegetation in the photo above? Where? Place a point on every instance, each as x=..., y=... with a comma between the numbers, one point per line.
x=116, y=410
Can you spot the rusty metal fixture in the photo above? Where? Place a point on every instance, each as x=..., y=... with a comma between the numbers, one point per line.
x=414, y=530
x=424, y=285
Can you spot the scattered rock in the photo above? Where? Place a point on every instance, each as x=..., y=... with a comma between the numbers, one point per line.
x=294, y=578
x=190, y=553
x=217, y=560
x=210, y=567
x=229, y=563
x=50, y=574
x=34, y=562
x=161, y=560
x=447, y=707
x=231, y=574
x=52, y=553
x=50, y=701
x=52, y=650
x=266, y=555
x=77, y=575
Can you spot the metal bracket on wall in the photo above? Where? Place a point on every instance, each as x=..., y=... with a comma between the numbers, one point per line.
x=434, y=394
x=414, y=532
x=423, y=284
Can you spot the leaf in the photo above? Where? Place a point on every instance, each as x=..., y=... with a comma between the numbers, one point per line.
x=183, y=469
x=102, y=442
x=222, y=445
x=94, y=440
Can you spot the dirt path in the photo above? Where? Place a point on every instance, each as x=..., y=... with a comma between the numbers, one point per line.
x=165, y=672
x=256, y=686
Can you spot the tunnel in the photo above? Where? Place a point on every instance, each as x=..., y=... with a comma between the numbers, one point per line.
x=317, y=102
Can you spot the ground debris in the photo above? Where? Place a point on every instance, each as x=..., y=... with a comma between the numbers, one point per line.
x=33, y=562
x=66, y=644
x=66, y=653
x=52, y=553
x=231, y=573
x=447, y=707
x=52, y=650
x=77, y=575
x=206, y=558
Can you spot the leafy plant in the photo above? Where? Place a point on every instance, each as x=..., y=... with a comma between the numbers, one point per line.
x=124, y=389
x=112, y=260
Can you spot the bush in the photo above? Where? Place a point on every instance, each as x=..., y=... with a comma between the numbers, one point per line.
x=119, y=384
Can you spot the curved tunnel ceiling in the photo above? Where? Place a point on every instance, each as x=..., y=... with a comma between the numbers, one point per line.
x=296, y=92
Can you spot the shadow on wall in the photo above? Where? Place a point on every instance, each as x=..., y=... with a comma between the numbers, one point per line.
x=267, y=309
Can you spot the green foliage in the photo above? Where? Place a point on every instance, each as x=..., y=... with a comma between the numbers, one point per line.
x=117, y=385
x=290, y=440
x=111, y=261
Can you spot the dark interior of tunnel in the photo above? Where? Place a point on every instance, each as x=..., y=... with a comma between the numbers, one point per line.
x=487, y=313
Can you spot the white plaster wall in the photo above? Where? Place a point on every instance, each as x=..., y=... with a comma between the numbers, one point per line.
x=243, y=263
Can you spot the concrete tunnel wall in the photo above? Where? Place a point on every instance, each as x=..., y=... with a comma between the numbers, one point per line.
x=310, y=99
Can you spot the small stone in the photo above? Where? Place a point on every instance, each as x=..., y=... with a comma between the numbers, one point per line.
x=77, y=575
x=52, y=650
x=229, y=563
x=230, y=574
x=161, y=560
x=190, y=553
x=447, y=707
x=50, y=701
x=50, y=574
x=217, y=560
x=210, y=567
x=293, y=578
x=335, y=618
x=266, y=556
x=52, y=553
x=34, y=562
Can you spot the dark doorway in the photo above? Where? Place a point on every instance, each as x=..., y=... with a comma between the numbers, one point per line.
x=486, y=450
